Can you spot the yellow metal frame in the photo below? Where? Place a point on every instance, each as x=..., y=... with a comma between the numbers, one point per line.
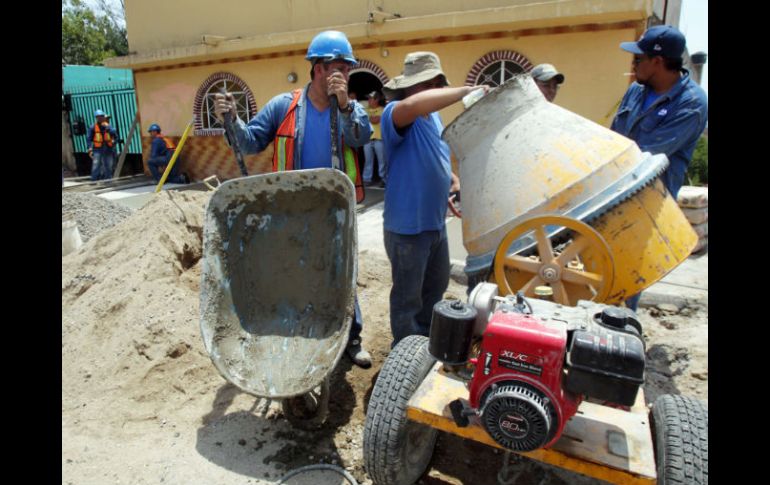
x=599, y=441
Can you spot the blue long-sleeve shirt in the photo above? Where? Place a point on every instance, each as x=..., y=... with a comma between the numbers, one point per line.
x=671, y=125
x=255, y=136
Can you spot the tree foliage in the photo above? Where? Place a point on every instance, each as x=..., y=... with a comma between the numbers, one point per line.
x=89, y=36
x=698, y=171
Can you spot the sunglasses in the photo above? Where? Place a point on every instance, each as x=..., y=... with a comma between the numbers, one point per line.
x=638, y=59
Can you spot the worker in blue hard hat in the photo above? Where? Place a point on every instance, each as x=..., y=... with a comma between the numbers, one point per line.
x=101, y=142
x=161, y=151
x=299, y=125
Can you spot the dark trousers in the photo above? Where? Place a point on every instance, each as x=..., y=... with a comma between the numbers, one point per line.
x=420, y=271
x=154, y=165
x=358, y=323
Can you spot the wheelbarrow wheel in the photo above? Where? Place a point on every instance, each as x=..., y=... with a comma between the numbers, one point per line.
x=680, y=427
x=397, y=451
x=310, y=410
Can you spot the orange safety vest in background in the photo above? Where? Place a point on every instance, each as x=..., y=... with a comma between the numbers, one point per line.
x=98, y=138
x=283, y=146
x=169, y=144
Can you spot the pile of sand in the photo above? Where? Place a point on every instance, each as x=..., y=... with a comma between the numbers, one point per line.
x=130, y=340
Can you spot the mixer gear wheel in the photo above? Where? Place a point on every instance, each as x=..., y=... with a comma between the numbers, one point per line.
x=583, y=270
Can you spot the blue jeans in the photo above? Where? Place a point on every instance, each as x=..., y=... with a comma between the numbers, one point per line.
x=420, y=270
x=154, y=165
x=101, y=168
x=374, y=146
x=633, y=302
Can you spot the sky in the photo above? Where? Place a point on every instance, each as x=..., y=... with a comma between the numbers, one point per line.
x=693, y=23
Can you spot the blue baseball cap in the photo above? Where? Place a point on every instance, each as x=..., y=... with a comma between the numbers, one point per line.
x=661, y=40
x=99, y=112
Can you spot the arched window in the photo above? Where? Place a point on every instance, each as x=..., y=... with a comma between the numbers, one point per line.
x=206, y=122
x=495, y=68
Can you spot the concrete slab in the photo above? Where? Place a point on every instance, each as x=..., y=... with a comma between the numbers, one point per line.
x=136, y=197
x=686, y=285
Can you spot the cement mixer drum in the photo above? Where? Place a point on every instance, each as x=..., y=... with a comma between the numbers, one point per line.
x=521, y=156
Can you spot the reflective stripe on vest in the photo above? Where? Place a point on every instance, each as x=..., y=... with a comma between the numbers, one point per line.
x=98, y=137
x=283, y=148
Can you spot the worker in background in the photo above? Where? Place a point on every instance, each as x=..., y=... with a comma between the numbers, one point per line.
x=299, y=123
x=664, y=110
x=101, y=141
x=419, y=181
x=161, y=151
x=374, y=110
x=548, y=79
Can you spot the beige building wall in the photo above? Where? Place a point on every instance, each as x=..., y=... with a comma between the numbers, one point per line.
x=261, y=42
x=592, y=63
x=149, y=27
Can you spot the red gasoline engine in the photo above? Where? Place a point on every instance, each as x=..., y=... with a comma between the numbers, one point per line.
x=530, y=362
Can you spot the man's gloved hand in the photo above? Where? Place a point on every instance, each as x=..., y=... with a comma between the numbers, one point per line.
x=224, y=104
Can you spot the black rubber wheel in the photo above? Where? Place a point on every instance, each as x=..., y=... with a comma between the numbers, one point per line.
x=310, y=410
x=680, y=427
x=397, y=451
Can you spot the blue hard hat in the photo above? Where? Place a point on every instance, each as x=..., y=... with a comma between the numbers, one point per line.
x=154, y=127
x=99, y=112
x=330, y=45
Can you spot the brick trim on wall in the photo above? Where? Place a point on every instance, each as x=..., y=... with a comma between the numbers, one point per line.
x=199, y=130
x=490, y=58
x=365, y=65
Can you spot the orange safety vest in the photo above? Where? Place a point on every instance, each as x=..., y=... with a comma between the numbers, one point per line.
x=283, y=145
x=98, y=138
x=169, y=144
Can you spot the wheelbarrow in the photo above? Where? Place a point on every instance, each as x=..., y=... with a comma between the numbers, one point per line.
x=277, y=285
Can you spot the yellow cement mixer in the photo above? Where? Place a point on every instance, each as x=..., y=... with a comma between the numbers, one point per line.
x=553, y=199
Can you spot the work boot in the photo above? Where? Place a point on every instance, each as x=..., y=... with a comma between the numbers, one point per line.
x=358, y=354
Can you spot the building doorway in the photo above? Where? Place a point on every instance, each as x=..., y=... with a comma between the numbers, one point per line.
x=362, y=83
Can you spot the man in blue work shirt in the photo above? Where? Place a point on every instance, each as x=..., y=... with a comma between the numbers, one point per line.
x=664, y=111
x=161, y=151
x=101, y=140
x=416, y=195
x=299, y=123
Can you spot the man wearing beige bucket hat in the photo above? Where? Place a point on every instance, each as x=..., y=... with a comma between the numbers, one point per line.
x=419, y=180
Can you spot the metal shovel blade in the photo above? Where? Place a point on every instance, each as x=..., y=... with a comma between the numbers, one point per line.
x=278, y=279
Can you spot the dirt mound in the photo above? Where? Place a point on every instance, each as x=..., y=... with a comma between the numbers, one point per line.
x=130, y=340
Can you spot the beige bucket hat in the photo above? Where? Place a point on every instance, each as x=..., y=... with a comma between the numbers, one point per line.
x=418, y=67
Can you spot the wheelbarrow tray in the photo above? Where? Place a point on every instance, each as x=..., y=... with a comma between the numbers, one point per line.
x=277, y=280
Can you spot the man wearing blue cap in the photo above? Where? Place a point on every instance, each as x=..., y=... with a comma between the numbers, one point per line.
x=101, y=140
x=299, y=125
x=664, y=111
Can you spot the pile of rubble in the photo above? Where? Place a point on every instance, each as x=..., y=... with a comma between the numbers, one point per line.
x=93, y=214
